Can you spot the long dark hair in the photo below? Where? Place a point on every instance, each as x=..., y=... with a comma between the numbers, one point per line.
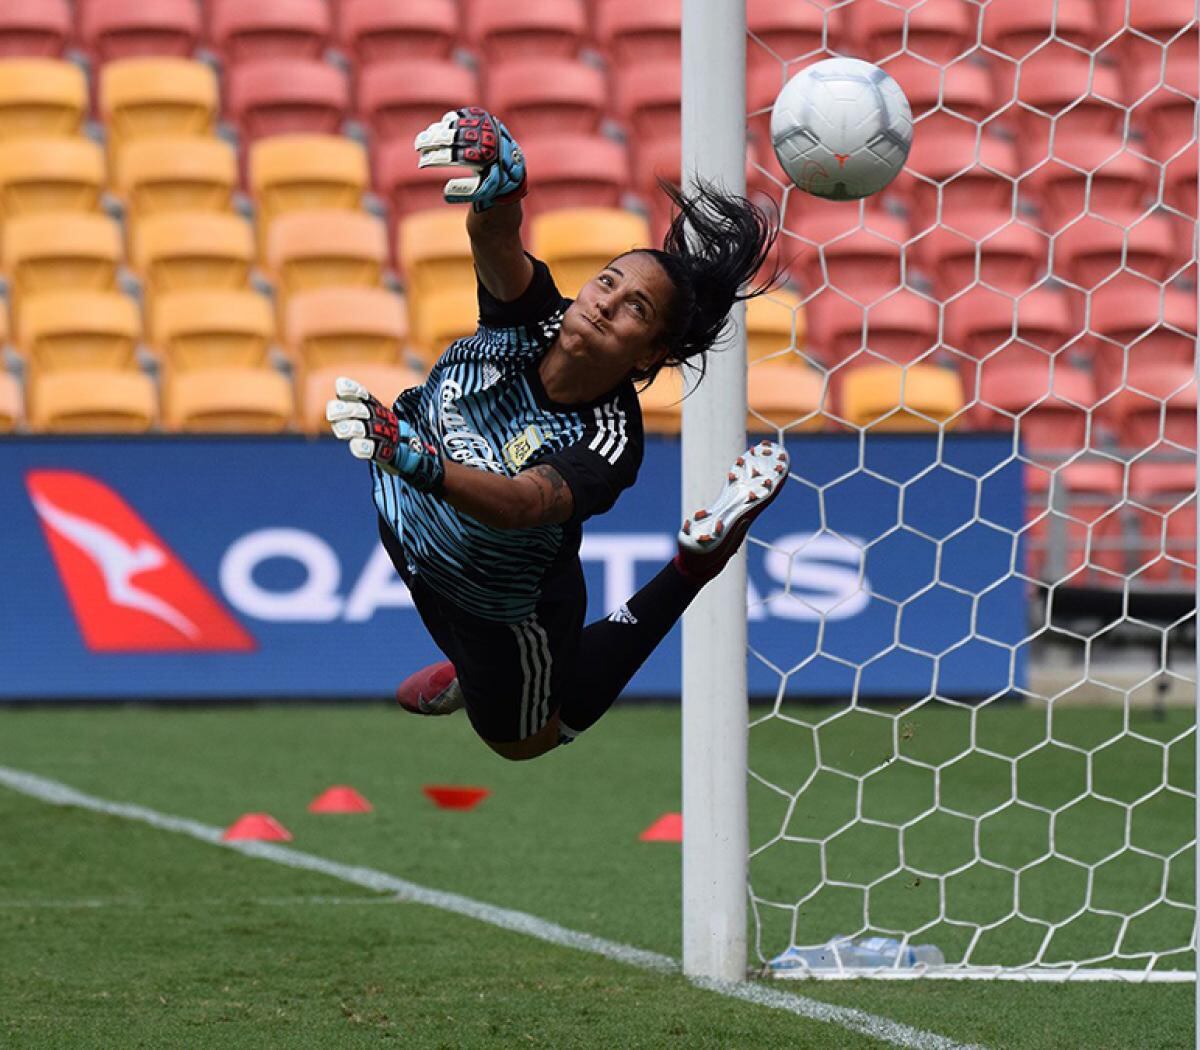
x=717, y=242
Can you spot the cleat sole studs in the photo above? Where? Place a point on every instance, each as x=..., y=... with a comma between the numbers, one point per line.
x=720, y=528
x=700, y=515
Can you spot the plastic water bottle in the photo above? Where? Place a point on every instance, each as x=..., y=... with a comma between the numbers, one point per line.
x=866, y=953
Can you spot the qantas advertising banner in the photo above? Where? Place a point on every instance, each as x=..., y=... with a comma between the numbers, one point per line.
x=250, y=567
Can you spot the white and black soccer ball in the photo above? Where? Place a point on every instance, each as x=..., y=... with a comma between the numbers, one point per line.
x=841, y=129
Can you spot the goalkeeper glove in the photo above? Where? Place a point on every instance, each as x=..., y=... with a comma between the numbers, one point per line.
x=374, y=432
x=473, y=138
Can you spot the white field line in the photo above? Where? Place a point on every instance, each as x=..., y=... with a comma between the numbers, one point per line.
x=881, y=1028
x=89, y=903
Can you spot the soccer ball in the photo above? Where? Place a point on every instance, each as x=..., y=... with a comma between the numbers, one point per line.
x=841, y=129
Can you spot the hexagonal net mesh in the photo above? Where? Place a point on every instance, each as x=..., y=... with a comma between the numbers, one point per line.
x=999, y=759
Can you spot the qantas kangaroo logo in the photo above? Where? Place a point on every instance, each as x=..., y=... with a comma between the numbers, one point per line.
x=129, y=591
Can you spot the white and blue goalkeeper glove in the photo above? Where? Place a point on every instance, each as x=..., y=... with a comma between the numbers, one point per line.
x=473, y=138
x=374, y=432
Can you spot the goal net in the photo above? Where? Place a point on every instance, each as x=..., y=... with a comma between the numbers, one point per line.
x=989, y=749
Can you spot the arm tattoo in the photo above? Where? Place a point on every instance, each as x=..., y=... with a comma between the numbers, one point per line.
x=557, y=502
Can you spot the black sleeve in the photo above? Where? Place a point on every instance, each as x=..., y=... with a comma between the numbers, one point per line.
x=605, y=460
x=541, y=299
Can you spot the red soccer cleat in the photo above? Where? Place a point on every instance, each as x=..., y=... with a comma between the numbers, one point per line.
x=433, y=690
x=711, y=536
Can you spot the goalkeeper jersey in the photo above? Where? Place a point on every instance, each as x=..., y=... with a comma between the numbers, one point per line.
x=483, y=405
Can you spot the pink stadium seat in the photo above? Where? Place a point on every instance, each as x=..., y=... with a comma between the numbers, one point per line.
x=1149, y=27
x=114, y=29
x=1094, y=249
x=1051, y=411
x=633, y=31
x=503, y=30
x=902, y=328
x=936, y=30
x=944, y=98
x=648, y=100
x=35, y=28
x=991, y=247
x=1166, y=115
x=545, y=96
x=573, y=171
x=972, y=173
x=1085, y=520
x=1098, y=174
x=245, y=32
x=789, y=31
x=399, y=99
x=1162, y=500
x=1140, y=325
x=385, y=31
x=1017, y=27
x=284, y=96
x=1156, y=409
x=863, y=263
x=1179, y=182
x=406, y=187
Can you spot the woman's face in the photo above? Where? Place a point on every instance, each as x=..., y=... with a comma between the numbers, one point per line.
x=617, y=320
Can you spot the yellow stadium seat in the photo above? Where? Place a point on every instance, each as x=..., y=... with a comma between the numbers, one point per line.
x=12, y=411
x=577, y=243
x=891, y=397
x=91, y=401
x=66, y=331
x=775, y=327
x=323, y=248
x=303, y=172
x=156, y=98
x=176, y=174
x=783, y=397
x=329, y=325
x=213, y=328
x=444, y=317
x=58, y=174
x=434, y=251
x=662, y=403
x=73, y=251
x=41, y=97
x=179, y=251
x=227, y=400
x=384, y=381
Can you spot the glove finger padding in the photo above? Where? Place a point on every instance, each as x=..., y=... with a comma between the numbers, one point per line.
x=370, y=427
x=473, y=138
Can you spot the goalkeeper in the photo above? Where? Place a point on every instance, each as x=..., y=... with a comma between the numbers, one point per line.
x=484, y=474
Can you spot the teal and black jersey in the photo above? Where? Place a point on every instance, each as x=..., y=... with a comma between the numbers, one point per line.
x=483, y=405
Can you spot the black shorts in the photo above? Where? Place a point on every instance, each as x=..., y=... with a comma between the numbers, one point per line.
x=513, y=675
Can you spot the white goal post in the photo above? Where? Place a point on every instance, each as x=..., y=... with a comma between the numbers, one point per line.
x=1096, y=725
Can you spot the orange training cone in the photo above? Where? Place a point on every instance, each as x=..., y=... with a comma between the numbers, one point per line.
x=668, y=828
x=258, y=827
x=454, y=796
x=339, y=799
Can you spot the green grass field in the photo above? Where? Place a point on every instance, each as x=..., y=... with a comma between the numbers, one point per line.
x=117, y=934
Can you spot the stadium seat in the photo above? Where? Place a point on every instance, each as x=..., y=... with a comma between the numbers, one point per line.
x=1138, y=325
x=945, y=98
x=396, y=100
x=444, y=315
x=1163, y=506
x=776, y=328
x=384, y=381
x=227, y=400
x=937, y=31
x=965, y=170
x=406, y=187
x=329, y=326
x=302, y=172
x=633, y=32
x=179, y=251
x=176, y=174
x=49, y=252
x=383, y=31
x=546, y=96
x=884, y=397
x=91, y=401
x=324, y=248
x=902, y=327
x=783, y=398
x=1076, y=536
x=242, y=32
x=789, y=31
x=573, y=171
x=1006, y=253
x=58, y=175
x=577, y=243
x=503, y=31
x=648, y=100
x=41, y=98
x=1179, y=180
x=1018, y=27
x=1153, y=26
x=61, y=331
x=1093, y=250
x=213, y=328
x=1166, y=116
x=1098, y=174
x=157, y=97
x=662, y=403
x=35, y=29
x=12, y=403
x=117, y=29
x=863, y=263
x=1051, y=414
x=434, y=251
x=1157, y=404
x=287, y=96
